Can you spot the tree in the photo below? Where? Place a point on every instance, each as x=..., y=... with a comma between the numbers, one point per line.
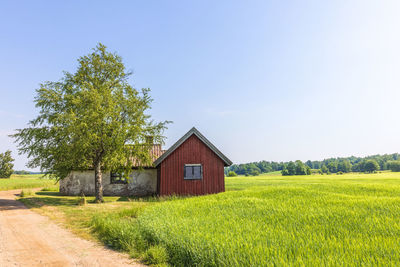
x=332, y=166
x=285, y=172
x=92, y=118
x=291, y=168
x=6, y=165
x=344, y=166
x=232, y=174
x=309, y=164
x=300, y=168
x=324, y=169
x=371, y=165
x=394, y=165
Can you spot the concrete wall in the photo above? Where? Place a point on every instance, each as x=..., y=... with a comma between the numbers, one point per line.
x=141, y=183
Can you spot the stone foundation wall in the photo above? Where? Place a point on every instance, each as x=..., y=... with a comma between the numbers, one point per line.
x=140, y=183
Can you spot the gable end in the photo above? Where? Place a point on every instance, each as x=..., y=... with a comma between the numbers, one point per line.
x=194, y=131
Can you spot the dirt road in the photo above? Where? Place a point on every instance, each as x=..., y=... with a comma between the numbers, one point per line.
x=30, y=239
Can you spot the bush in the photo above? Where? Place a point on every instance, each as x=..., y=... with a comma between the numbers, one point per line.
x=339, y=173
x=155, y=255
x=255, y=173
x=232, y=174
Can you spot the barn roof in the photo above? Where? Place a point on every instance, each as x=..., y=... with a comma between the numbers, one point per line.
x=191, y=132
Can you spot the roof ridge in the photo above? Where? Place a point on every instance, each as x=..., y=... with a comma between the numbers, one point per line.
x=196, y=132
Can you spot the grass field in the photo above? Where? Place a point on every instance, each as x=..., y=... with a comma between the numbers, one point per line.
x=351, y=219
x=26, y=181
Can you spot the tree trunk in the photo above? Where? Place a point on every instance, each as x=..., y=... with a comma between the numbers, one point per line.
x=98, y=183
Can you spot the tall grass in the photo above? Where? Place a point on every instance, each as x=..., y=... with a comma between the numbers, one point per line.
x=263, y=221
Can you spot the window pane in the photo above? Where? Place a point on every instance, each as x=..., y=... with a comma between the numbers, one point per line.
x=197, y=172
x=188, y=172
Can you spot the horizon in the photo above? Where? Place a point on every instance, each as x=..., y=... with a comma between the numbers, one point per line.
x=262, y=81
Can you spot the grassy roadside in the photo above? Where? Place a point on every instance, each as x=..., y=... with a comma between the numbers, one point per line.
x=265, y=220
x=27, y=181
x=75, y=217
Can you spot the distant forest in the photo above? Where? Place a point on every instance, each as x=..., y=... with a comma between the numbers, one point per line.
x=331, y=165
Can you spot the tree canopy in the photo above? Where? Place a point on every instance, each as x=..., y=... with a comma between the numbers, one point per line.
x=92, y=118
x=394, y=165
x=371, y=165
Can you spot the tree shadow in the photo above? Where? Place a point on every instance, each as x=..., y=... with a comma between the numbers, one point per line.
x=48, y=193
x=49, y=201
x=10, y=204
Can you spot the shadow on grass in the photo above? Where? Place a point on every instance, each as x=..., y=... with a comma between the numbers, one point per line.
x=49, y=201
x=52, y=198
x=48, y=193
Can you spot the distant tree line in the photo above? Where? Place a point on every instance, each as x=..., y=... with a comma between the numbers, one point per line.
x=296, y=168
x=254, y=168
x=22, y=172
x=330, y=165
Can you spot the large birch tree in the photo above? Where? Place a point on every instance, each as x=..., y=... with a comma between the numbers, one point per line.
x=92, y=118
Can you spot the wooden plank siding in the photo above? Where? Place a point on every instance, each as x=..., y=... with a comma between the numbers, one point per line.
x=192, y=151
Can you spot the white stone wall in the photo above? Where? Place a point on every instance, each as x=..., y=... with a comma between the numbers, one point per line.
x=140, y=183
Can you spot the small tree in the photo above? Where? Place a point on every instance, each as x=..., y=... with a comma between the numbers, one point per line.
x=371, y=165
x=90, y=119
x=6, y=165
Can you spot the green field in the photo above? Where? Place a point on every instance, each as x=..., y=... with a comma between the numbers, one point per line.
x=351, y=219
x=26, y=181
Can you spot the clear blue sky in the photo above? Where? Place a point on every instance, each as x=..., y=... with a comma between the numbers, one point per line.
x=263, y=80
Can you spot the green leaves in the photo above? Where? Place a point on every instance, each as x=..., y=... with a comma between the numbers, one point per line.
x=88, y=118
x=6, y=165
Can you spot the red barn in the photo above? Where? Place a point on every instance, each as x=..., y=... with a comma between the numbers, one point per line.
x=192, y=166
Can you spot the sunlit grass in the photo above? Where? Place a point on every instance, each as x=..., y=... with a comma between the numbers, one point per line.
x=27, y=181
x=351, y=219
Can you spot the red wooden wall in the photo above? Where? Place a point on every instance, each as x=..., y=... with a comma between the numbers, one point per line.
x=192, y=151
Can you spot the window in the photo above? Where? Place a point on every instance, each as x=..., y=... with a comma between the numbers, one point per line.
x=117, y=178
x=193, y=171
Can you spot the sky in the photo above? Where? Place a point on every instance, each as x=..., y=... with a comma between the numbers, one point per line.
x=262, y=80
